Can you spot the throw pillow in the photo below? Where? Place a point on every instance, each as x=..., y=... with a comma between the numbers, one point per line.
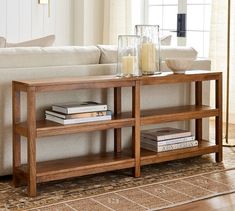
x=108, y=54
x=40, y=42
x=166, y=40
x=2, y=42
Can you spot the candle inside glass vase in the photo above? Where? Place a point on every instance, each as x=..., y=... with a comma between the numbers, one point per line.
x=149, y=49
x=128, y=64
x=148, y=58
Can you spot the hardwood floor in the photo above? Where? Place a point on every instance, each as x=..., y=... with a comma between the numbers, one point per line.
x=220, y=203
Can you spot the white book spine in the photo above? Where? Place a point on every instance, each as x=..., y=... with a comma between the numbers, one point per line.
x=166, y=137
x=87, y=109
x=178, y=146
x=172, y=136
x=166, y=142
x=78, y=115
x=170, y=147
x=81, y=109
x=76, y=121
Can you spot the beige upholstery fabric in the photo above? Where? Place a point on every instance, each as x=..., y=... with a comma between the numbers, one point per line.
x=48, y=56
x=178, y=52
x=166, y=40
x=109, y=53
x=2, y=42
x=199, y=64
x=40, y=42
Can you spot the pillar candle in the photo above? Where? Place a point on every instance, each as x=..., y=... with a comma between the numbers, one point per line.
x=128, y=64
x=148, y=57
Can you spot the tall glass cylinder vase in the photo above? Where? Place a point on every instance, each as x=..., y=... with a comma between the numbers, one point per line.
x=128, y=56
x=149, y=49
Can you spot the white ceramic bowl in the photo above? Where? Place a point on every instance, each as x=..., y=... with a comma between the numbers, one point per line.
x=179, y=65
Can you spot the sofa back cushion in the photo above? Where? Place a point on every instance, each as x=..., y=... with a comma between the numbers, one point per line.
x=109, y=53
x=178, y=52
x=166, y=40
x=48, y=56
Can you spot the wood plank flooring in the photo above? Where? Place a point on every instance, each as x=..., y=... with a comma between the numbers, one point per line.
x=219, y=203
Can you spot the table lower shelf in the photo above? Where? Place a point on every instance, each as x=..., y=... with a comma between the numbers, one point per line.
x=150, y=157
x=79, y=166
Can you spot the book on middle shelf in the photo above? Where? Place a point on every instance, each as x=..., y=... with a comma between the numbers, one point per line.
x=77, y=115
x=74, y=107
x=73, y=113
x=78, y=120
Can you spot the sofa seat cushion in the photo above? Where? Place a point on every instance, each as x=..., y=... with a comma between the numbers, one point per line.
x=48, y=56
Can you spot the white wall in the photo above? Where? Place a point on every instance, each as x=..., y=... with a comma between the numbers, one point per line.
x=74, y=22
x=88, y=22
x=26, y=19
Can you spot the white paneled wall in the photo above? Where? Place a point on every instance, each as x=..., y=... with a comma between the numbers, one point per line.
x=88, y=22
x=25, y=19
x=3, y=13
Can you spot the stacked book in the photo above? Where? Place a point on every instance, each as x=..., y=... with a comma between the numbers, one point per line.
x=166, y=139
x=73, y=113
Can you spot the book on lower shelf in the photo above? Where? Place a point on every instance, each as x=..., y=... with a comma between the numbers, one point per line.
x=166, y=139
x=170, y=147
x=74, y=107
x=155, y=143
x=165, y=133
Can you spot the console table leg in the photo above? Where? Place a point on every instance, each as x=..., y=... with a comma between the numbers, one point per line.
x=31, y=121
x=198, y=101
x=136, y=128
x=16, y=137
x=219, y=119
x=117, y=110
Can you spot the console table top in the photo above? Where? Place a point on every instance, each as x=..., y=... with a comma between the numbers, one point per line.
x=106, y=81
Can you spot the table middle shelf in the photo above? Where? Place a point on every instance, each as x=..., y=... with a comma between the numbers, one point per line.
x=153, y=116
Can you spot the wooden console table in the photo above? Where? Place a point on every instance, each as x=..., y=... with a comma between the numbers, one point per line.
x=35, y=172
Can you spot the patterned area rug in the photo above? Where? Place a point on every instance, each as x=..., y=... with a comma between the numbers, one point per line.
x=155, y=196
x=160, y=185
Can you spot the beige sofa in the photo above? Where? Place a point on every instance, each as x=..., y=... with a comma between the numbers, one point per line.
x=74, y=61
